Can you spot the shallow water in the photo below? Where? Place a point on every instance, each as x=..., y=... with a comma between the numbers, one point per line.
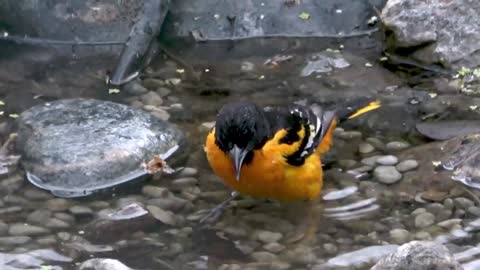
x=358, y=220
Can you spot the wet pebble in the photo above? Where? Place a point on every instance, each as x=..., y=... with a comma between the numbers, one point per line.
x=397, y=146
x=19, y=229
x=274, y=247
x=448, y=203
x=161, y=114
x=47, y=241
x=215, y=196
x=36, y=194
x=39, y=216
x=387, y=160
x=407, y=165
x=79, y=210
x=268, y=237
x=348, y=135
x=169, y=202
x=152, y=83
x=387, y=174
x=365, y=148
x=58, y=204
x=400, y=236
x=64, y=236
x=236, y=231
x=99, y=205
x=166, y=217
x=449, y=223
x=443, y=215
x=184, y=182
x=14, y=240
x=377, y=143
x=10, y=210
x=423, y=236
x=330, y=248
x=419, y=211
x=301, y=254
x=55, y=223
x=151, y=98
x=424, y=220
x=163, y=91
x=370, y=161
x=3, y=228
x=188, y=172
x=264, y=256
x=435, y=208
x=347, y=163
x=135, y=88
x=474, y=210
x=154, y=191
x=463, y=203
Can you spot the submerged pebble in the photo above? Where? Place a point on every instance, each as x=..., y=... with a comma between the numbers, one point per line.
x=397, y=146
x=400, y=236
x=387, y=174
x=14, y=240
x=268, y=237
x=424, y=220
x=19, y=229
x=365, y=148
x=387, y=160
x=407, y=165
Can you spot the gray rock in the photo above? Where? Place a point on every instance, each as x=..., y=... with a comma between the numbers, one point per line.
x=347, y=163
x=407, y=165
x=55, y=223
x=424, y=220
x=163, y=216
x=161, y=114
x=274, y=247
x=397, y=146
x=348, y=135
x=163, y=91
x=152, y=83
x=269, y=237
x=446, y=32
x=39, y=216
x=387, y=160
x=370, y=161
x=424, y=236
x=419, y=256
x=155, y=192
x=419, y=211
x=3, y=228
x=14, y=240
x=103, y=264
x=387, y=174
x=58, y=204
x=19, y=229
x=47, y=241
x=184, y=182
x=152, y=98
x=377, y=143
x=463, y=203
x=135, y=88
x=65, y=217
x=188, y=172
x=37, y=194
x=400, y=236
x=170, y=202
x=79, y=210
x=330, y=248
x=365, y=148
x=449, y=223
x=474, y=210
x=264, y=256
x=448, y=203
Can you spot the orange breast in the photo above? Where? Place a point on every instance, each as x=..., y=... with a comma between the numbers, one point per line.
x=268, y=175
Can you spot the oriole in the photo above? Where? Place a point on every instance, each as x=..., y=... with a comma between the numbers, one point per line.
x=274, y=152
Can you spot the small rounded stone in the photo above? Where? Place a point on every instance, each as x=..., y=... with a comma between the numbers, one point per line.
x=407, y=165
x=397, y=146
x=424, y=220
x=365, y=148
x=387, y=174
x=400, y=236
x=387, y=160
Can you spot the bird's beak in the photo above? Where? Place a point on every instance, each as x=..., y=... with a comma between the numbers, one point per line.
x=238, y=155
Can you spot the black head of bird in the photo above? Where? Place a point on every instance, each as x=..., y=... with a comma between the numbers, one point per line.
x=240, y=128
